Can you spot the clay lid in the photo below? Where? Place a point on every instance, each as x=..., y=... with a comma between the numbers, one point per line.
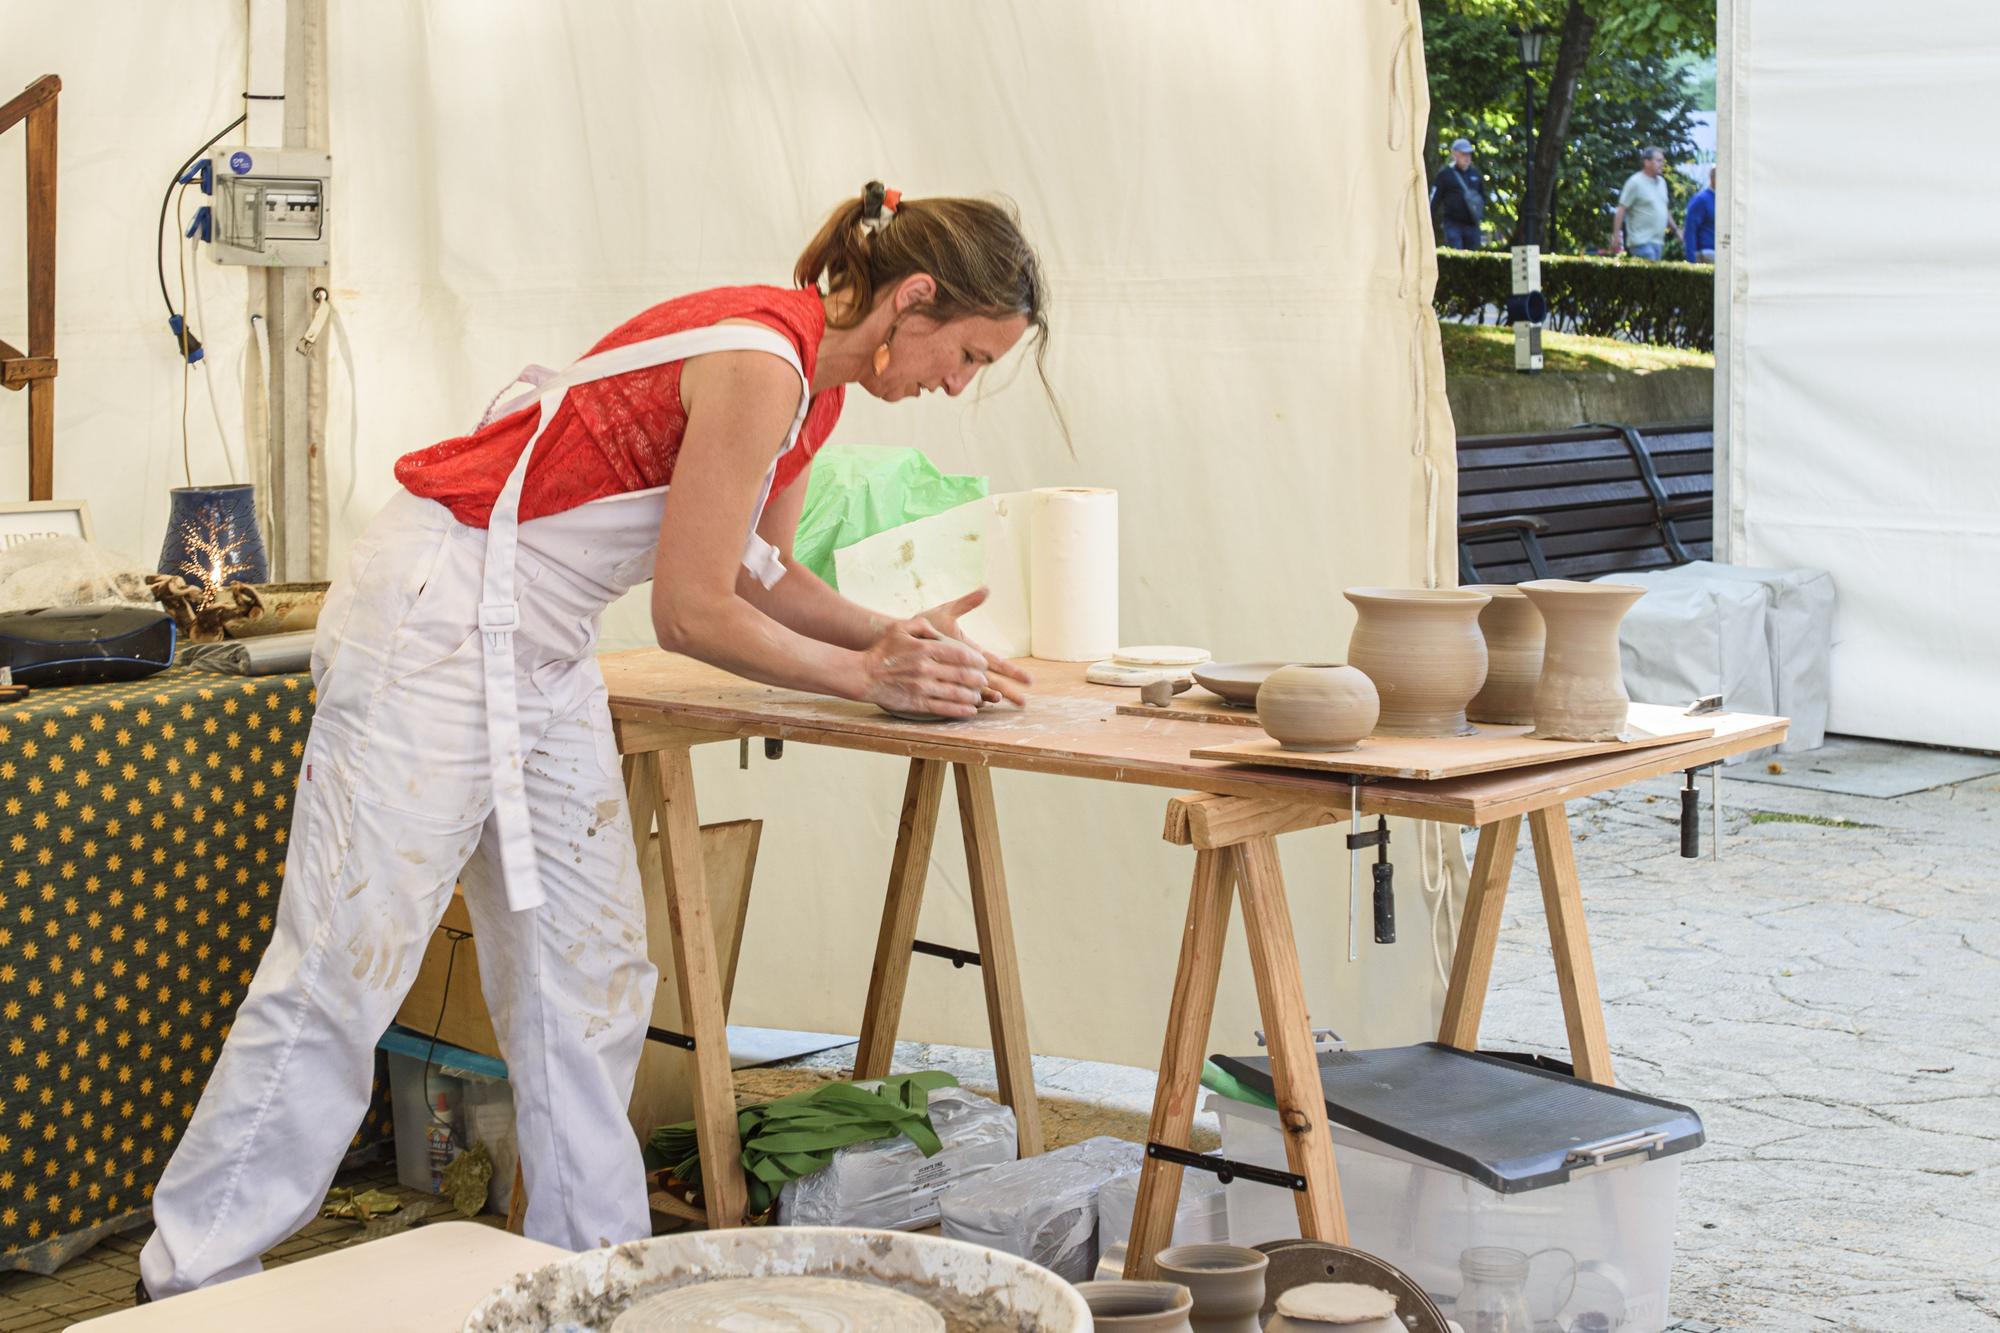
x=1336, y=1303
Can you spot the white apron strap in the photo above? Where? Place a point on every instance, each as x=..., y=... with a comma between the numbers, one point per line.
x=500, y=614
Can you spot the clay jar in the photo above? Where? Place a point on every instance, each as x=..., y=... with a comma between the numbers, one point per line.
x=1423, y=650
x=1227, y=1282
x=1317, y=706
x=1581, y=695
x=1512, y=628
x=1137, y=1307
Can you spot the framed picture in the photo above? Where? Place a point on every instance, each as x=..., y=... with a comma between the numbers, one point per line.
x=25, y=520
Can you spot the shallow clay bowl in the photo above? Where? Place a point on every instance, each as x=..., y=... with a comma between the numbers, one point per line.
x=1235, y=682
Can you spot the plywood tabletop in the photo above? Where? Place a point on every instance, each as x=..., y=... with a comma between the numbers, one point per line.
x=1489, y=749
x=1073, y=728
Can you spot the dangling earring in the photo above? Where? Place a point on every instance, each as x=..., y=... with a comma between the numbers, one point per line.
x=881, y=358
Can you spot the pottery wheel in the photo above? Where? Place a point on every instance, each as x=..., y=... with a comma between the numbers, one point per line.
x=780, y=1305
x=1299, y=1263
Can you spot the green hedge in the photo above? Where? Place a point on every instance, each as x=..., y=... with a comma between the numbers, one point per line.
x=1668, y=304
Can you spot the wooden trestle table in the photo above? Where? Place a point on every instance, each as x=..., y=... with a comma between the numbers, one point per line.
x=664, y=705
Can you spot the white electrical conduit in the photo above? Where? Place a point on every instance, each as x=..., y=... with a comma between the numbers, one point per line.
x=192, y=308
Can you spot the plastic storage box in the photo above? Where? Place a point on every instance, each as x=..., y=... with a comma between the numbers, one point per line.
x=1441, y=1151
x=480, y=1109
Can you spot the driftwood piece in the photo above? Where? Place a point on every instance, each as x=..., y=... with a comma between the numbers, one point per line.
x=238, y=610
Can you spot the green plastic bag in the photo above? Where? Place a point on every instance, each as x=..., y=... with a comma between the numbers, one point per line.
x=797, y=1135
x=859, y=490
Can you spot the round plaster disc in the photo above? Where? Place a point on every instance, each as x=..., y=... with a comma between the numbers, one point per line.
x=1118, y=673
x=780, y=1305
x=1337, y=1303
x=1160, y=655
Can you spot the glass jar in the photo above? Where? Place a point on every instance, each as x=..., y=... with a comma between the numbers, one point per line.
x=1494, y=1298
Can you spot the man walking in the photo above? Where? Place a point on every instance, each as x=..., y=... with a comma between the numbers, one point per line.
x=1458, y=199
x=1645, y=210
x=1698, y=235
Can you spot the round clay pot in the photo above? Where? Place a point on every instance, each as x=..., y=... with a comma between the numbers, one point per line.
x=1512, y=628
x=1137, y=1307
x=1423, y=650
x=1317, y=706
x=1227, y=1282
x=1581, y=695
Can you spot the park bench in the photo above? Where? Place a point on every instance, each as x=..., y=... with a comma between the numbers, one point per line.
x=1597, y=499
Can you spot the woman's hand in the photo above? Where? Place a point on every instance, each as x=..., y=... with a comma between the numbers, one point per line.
x=1003, y=678
x=911, y=669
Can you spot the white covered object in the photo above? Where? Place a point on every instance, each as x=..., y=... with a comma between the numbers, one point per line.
x=1685, y=639
x=889, y=1183
x=1041, y=1208
x=1798, y=633
x=1855, y=429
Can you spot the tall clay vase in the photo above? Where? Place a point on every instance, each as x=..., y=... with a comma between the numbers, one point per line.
x=1423, y=650
x=1137, y=1307
x=1581, y=695
x=1512, y=628
x=1227, y=1282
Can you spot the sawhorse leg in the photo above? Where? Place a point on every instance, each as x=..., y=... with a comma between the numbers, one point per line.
x=1569, y=940
x=1235, y=842
x=999, y=962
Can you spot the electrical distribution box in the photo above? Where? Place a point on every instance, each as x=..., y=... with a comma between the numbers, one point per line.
x=271, y=206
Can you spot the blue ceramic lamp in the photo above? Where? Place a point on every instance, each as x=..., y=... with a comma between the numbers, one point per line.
x=212, y=537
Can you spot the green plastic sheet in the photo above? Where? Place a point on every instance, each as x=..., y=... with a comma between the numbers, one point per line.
x=797, y=1135
x=857, y=491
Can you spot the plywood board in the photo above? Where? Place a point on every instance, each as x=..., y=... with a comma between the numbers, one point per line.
x=1197, y=705
x=1072, y=728
x=1429, y=758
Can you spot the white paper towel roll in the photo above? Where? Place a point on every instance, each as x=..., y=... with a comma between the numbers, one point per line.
x=1073, y=573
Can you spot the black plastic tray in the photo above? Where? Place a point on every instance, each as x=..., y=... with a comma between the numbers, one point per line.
x=1508, y=1125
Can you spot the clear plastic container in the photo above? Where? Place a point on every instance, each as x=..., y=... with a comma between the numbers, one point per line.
x=1600, y=1245
x=481, y=1110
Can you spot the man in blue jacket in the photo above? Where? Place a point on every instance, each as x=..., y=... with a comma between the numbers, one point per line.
x=1698, y=234
x=1458, y=199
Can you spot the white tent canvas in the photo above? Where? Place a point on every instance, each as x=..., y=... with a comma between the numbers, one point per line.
x=1229, y=202
x=1855, y=342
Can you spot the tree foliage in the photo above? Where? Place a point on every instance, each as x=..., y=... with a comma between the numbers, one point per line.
x=1627, y=94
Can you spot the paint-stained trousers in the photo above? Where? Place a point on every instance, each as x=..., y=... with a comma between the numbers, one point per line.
x=394, y=798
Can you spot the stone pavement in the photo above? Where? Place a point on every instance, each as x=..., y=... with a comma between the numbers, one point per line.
x=1828, y=998
x=1825, y=996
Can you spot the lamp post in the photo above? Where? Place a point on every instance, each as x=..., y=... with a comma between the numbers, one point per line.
x=1530, y=39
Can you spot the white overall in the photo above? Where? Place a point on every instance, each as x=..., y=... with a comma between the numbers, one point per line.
x=458, y=691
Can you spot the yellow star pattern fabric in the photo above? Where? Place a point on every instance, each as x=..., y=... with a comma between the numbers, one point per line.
x=142, y=847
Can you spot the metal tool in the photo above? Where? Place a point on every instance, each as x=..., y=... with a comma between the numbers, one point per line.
x=1704, y=705
x=1385, y=875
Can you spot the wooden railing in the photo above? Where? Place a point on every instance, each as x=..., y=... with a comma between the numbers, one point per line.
x=35, y=369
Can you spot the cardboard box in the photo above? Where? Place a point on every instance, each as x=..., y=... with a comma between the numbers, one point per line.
x=661, y=1093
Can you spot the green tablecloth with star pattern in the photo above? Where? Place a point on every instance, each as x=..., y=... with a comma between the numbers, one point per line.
x=142, y=846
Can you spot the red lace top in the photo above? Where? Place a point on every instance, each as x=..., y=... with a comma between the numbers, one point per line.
x=620, y=434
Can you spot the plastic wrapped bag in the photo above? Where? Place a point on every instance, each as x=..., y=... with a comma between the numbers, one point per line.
x=889, y=1183
x=1202, y=1217
x=1044, y=1208
x=857, y=491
